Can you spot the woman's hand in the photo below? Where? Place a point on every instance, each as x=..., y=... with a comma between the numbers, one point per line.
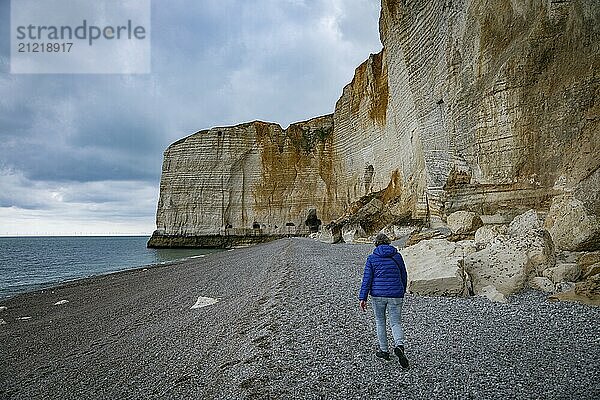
x=363, y=305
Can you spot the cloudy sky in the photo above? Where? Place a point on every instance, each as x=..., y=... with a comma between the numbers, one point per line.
x=82, y=153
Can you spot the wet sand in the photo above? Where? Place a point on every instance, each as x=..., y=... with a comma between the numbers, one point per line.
x=286, y=325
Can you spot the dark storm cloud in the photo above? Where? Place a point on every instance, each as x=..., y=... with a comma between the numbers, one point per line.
x=214, y=63
x=103, y=131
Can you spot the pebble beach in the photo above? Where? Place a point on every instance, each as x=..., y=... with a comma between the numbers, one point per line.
x=281, y=321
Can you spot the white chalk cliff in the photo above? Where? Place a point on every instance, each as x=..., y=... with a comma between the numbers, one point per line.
x=490, y=107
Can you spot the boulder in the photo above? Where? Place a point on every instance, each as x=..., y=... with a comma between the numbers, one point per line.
x=591, y=271
x=572, y=226
x=487, y=233
x=501, y=265
x=463, y=222
x=437, y=222
x=370, y=209
x=395, y=232
x=362, y=218
x=564, y=287
x=495, y=219
x=587, y=292
x=509, y=262
x=524, y=223
x=468, y=247
x=568, y=272
x=353, y=233
x=428, y=234
x=435, y=268
x=587, y=259
x=589, y=288
x=493, y=294
x=567, y=256
x=330, y=234
x=525, y=232
x=539, y=248
x=542, y=283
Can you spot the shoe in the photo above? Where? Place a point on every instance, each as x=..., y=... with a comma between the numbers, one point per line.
x=399, y=351
x=383, y=354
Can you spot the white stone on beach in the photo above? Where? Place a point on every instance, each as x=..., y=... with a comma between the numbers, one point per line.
x=564, y=287
x=24, y=318
x=542, y=283
x=61, y=302
x=203, y=302
x=592, y=270
x=3, y=308
x=487, y=233
x=2, y=322
x=508, y=262
x=566, y=272
x=329, y=235
x=464, y=222
x=524, y=223
x=493, y=294
x=435, y=267
x=352, y=232
x=571, y=225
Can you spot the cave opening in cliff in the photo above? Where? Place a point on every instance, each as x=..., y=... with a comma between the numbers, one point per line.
x=312, y=221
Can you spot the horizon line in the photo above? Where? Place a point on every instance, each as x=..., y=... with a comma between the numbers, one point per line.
x=109, y=234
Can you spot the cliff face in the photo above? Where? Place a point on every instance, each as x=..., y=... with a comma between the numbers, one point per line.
x=246, y=180
x=485, y=106
x=377, y=138
x=504, y=95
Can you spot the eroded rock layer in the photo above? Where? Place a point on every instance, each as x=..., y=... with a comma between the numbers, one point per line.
x=490, y=107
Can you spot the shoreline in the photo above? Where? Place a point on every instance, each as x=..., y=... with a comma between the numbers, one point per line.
x=60, y=275
x=41, y=287
x=286, y=325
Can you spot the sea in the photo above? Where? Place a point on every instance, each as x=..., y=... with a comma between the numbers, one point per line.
x=33, y=263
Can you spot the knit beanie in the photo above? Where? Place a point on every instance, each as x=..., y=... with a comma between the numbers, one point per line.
x=382, y=238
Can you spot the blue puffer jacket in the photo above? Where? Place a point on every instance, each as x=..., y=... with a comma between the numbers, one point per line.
x=385, y=274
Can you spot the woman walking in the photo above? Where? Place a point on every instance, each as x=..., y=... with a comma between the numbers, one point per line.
x=385, y=280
